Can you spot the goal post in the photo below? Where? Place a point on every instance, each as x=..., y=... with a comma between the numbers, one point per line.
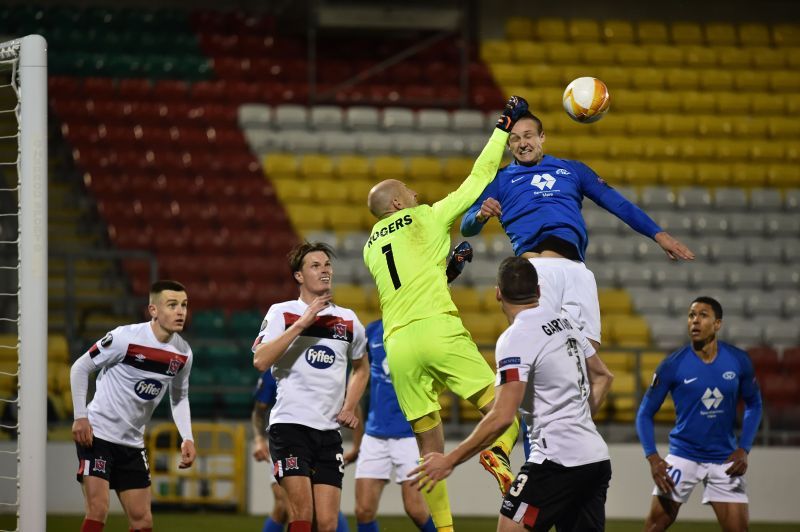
x=31, y=87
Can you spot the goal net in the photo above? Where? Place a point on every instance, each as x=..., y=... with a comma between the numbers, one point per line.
x=23, y=279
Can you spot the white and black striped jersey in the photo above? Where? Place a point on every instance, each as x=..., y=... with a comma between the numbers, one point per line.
x=135, y=371
x=549, y=353
x=312, y=374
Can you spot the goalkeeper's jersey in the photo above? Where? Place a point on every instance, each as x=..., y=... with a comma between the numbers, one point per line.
x=407, y=251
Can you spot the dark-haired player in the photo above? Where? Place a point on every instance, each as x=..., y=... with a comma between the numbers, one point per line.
x=307, y=342
x=706, y=380
x=548, y=371
x=138, y=363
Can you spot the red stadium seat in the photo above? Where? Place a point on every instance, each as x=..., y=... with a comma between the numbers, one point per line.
x=134, y=89
x=99, y=88
x=765, y=359
x=167, y=90
x=210, y=91
x=63, y=87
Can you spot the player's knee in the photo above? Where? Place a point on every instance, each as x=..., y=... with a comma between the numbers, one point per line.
x=365, y=513
x=327, y=523
x=97, y=508
x=140, y=517
x=416, y=511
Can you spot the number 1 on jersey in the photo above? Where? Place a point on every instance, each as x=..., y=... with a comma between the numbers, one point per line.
x=387, y=250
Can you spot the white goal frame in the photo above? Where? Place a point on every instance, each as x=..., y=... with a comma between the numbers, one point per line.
x=31, y=111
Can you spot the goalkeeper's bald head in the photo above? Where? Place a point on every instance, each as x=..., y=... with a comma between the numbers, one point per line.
x=390, y=196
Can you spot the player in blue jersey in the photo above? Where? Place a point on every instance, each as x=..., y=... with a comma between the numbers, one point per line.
x=388, y=444
x=706, y=379
x=266, y=391
x=537, y=199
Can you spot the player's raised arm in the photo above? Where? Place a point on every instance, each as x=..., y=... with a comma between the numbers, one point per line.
x=485, y=167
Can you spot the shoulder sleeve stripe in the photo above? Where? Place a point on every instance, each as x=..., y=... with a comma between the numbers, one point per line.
x=509, y=375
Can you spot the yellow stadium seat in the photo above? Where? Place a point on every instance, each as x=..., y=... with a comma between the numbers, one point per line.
x=583, y=30
x=625, y=147
x=674, y=173
x=754, y=34
x=786, y=34
x=527, y=52
x=751, y=126
x=733, y=57
x=521, y=28
x=663, y=102
x=632, y=331
x=591, y=147
x=63, y=383
x=647, y=78
x=631, y=55
x=466, y=299
x=720, y=34
x=664, y=56
x=732, y=150
x=357, y=190
x=611, y=172
x=8, y=348
x=678, y=124
x=488, y=356
x=750, y=81
x=559, y=53
x=661, y=148
x=373, y=302
x=345, y=217
x=292, y=191
x=681, y=79
x=652, y=32
x=614, y=76
x=350, y=296
x=495, y=51
x=467, y=412
x=505, y=73
x=457, y=168
x=643, y=124
x=550, y=29
x=389, y=167
x=596, y=55
x=686, y=33
x=666, y=414
x=424, y=168
x=480, y=326
x=639, y=173
x=614, y=301
x=560, y=146
x=446, y=405
x=326, y=191
x=617, y=31
x=624, y=383
x=781, y=127
x=280, y=165
x=611, y=124
x=316, y=167
x=784, y=81
x=792, y=57
x=542, y=75
x=617, y=361
x=306, y=217
x=733, y=103
x=696, y=102
x=783, y=175
x=352, y=167
x=699, y=57
x=767, y=151
x=763, y=103
x=716, y=80
x=650, y=360
x=713, y=174
x=765, y=58
x=628, y=101
x=57, y=348
x=746, y=175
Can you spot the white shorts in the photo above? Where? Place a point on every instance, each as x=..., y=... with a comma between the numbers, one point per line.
x=719, y=487
x=568, y=287
x=377, y=457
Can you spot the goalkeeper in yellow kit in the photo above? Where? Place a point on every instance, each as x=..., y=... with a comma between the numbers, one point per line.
x=427, y=346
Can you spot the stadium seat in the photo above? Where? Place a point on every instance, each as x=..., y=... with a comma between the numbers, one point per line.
x=550, y=29
x=361, y=118
x=652, y=32
x=686, y=33
x=617, y=31
x=720, y=34
x=754, y=34
x=521, y=28
x=630, y=55
x=699, y=57
x=766, y=59
x=397, y=119
x=786, y=35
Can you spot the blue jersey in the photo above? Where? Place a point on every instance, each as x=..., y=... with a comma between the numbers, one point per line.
x=705, y=397
x=385, y=418
x=545, y=201
x=266, y=389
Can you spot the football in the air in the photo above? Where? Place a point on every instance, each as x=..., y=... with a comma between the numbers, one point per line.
x=586, y=100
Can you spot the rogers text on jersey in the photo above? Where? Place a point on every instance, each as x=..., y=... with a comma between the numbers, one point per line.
x=391, y=228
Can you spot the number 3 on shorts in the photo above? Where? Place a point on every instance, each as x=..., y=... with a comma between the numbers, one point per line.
x=519, y=484
x=340, y=458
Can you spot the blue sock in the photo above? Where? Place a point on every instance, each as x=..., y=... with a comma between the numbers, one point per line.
x=341, y=524
x=272, y=526
x=428, y=526
x=372, y=526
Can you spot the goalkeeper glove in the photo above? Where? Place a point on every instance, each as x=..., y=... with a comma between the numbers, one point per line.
x=516, y=106
x=460, y=256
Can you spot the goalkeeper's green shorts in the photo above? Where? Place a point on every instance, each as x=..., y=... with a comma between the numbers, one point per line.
x=431, y=355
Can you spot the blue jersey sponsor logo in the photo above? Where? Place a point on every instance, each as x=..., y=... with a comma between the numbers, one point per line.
x=320, y=356
x=729, y=375
x=506, y=361
x=148, y=389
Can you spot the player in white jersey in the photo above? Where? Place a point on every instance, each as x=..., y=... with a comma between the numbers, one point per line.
x=137, y=364
x=548, y=370
x=307, y=343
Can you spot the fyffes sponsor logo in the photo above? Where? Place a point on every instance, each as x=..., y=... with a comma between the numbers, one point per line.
x=320, y=356
x=148, y=389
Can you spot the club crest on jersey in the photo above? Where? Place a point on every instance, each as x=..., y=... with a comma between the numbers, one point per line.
x=291, y=463
x=561, y=171
x=99, y=465
x=106, y=341
x=729, y=375
x=174, y=366
x=148, y=389
x=340, y=331
x=320, y=356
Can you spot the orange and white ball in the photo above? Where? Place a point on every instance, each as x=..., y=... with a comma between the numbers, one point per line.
x=586, y=100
